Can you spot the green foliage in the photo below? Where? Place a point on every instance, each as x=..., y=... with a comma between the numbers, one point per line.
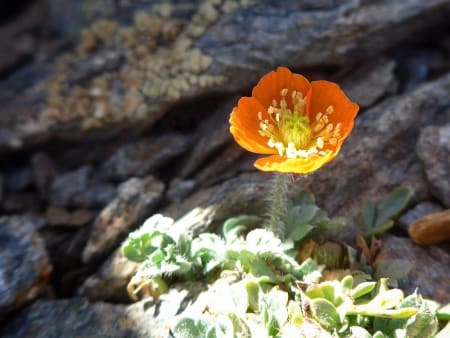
x=305, y=219
x=163, y=252
x=259, y=289
x=377, y=217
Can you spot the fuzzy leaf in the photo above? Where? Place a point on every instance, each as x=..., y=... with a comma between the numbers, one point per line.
x=233, y=227
x=362, y=289
x=424, y=323
x=381, y=229
x=325, y=313
x=222, y=328
x=368, y=215
x=392, y=205
x=191, y=328
x=253, y=294
x=347, y=284
x=443, y=313
x=359, y=332
x=303, y=198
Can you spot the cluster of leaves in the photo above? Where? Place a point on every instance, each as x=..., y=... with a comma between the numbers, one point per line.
x=163, y=252
x=261, y=290
x=377, y=218
x=305, y=219
x=248, y=308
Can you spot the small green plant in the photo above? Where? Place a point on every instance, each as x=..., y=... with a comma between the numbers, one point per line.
x=377, y=217
x=259, y=288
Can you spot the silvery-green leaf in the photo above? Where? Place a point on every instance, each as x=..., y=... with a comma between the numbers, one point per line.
x=191, y=328
x=359, y=332
x=369, y=214
x=325, y=313
x=392, y=205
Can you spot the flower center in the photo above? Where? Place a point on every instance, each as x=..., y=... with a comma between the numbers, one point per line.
x=291, y=133
x=295, y=128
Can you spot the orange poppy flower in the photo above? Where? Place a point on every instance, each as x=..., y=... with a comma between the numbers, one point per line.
x=301, y=124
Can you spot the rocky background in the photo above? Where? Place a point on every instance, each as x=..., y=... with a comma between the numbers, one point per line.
x=111, y=111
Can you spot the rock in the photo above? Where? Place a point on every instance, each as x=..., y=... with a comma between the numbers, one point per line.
x=210, y=207
x=370, y=82
x=18, y=202
x=431, y=229
x=379, y=155
x=433, y=149
x=110, y=282
x=57, y=216
x=224, y=166
x=74, y=318
x=430, y=267
x=43, y=172
x=214, y=47
x=80, y=217
x=77, y=317
x=17, y=179
x=74, y=190
x=214, y=135
x=24, y=265
x=414, y=67
x=420, y=210
x=136, y=199
x=179, y=189
x=145, y=156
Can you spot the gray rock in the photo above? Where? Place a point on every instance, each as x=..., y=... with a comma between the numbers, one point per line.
x=61, y=217
x=414, y=67
x=209, y=207
x=179, y=189
x=379, y=155
x=145, y=156
x=136, y=199
x=75, y=190
x=24, y=265
x=43, y=172
x=76, y=317
x=430, y=267
x=370, y=82
x=433, y=149
x=220, y=49
x=225, y=165
x=17, y=179
x=419, y=210
x=18, y=202
x=214, y=135
x=110, y=282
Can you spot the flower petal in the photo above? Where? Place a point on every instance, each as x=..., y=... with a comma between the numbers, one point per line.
x=271, y=84
x=325, y=94
x=293, y=165
x=244, y=127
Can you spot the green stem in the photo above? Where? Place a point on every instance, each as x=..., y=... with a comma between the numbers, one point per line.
x=278, y=202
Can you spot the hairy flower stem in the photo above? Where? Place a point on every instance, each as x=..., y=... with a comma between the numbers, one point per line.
x=278, y=199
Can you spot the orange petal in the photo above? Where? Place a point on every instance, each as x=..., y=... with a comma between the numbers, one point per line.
x=325, y=94
x=293, y=165
x=271, y=84
x=245, y=125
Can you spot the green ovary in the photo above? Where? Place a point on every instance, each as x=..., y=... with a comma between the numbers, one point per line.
x=295, y=128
